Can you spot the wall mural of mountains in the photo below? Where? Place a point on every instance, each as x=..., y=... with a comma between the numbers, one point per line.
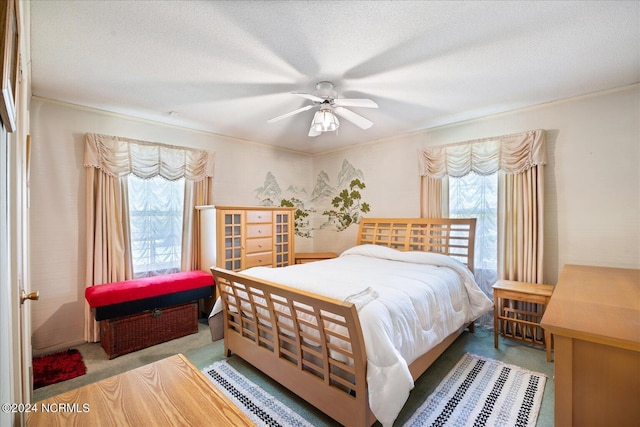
x=327, y=207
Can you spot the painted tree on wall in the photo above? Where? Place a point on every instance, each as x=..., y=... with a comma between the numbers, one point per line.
x=301, y=216
x=348, y=206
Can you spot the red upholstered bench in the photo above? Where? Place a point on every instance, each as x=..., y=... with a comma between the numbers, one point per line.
x=139, y=313
x=133, y=296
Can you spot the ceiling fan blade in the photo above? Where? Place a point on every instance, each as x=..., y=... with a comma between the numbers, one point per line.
x=313, y=132
x=291, y=113
x=354, y=118
x=309, y=96
x=353, y=102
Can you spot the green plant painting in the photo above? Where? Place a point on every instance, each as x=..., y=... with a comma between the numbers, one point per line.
x=348, y=206
x=301, y=216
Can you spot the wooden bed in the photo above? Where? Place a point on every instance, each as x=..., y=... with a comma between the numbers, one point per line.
x=291, y=335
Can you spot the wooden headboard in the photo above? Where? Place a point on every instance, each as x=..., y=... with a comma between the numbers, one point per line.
x=449, y=236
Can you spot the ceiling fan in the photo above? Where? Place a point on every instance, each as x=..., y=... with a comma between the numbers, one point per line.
x=325, y=119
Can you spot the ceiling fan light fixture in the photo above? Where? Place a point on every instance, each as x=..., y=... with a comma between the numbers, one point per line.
x=325, y=121
x=330, y=106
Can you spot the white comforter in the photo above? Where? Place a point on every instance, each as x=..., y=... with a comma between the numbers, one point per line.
x=407, y=302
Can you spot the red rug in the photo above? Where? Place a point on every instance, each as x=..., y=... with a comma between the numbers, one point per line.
x=54, y=368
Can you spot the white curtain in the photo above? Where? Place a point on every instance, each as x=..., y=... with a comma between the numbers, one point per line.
x=196, y=193
x=521, y=213
x=156, y=208
x=510, y=154
x=118, y=156
x=108, y=245
x=433, y=204
x=518, y=159
x=108, y=161
x=476, y=196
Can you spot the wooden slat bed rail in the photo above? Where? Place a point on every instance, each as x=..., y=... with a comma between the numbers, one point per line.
x=449, y=236
x=311, y=344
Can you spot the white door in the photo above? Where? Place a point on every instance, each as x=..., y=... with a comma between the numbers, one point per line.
x=12, y=390
x=15, y=317
x=15, y=323
x=15, y=326
x=7, y=345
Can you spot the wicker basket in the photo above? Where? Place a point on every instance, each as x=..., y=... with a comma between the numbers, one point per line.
x=126, y=334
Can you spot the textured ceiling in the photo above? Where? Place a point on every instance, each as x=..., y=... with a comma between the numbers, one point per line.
x=227, y=67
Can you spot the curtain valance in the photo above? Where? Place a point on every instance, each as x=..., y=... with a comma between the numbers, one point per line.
x=509, y=153
x=121, y=156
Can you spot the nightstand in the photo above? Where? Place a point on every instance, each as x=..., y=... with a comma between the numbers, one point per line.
x=304, y=257
x=521, y=323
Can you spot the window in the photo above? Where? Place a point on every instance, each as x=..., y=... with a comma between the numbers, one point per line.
x=476, y=196
x=155, y=218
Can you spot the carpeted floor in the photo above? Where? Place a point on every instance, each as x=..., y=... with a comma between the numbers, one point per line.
x=99, y=366
x=199, y=349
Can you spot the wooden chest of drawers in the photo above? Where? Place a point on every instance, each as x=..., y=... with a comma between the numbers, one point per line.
x=239, y=237
x=258, y=245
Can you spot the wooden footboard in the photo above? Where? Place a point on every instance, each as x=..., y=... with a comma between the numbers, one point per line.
x=313, y=345
x=310, y=344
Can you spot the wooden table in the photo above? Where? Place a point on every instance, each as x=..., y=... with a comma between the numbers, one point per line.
x=304, y=257
x=526, y=322
x=594, y=315
x=169, y=392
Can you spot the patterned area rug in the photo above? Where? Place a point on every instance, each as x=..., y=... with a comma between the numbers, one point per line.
x=477, y=392
x=261, y=407
x=54, y=368
x=483, y=392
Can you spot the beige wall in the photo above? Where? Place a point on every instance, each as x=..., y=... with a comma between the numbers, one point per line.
x=57, y=211
x=592, y=181
x=592, y=202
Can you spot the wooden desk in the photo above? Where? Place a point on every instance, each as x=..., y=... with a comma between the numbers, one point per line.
x=594, y=315
x=169, y=392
